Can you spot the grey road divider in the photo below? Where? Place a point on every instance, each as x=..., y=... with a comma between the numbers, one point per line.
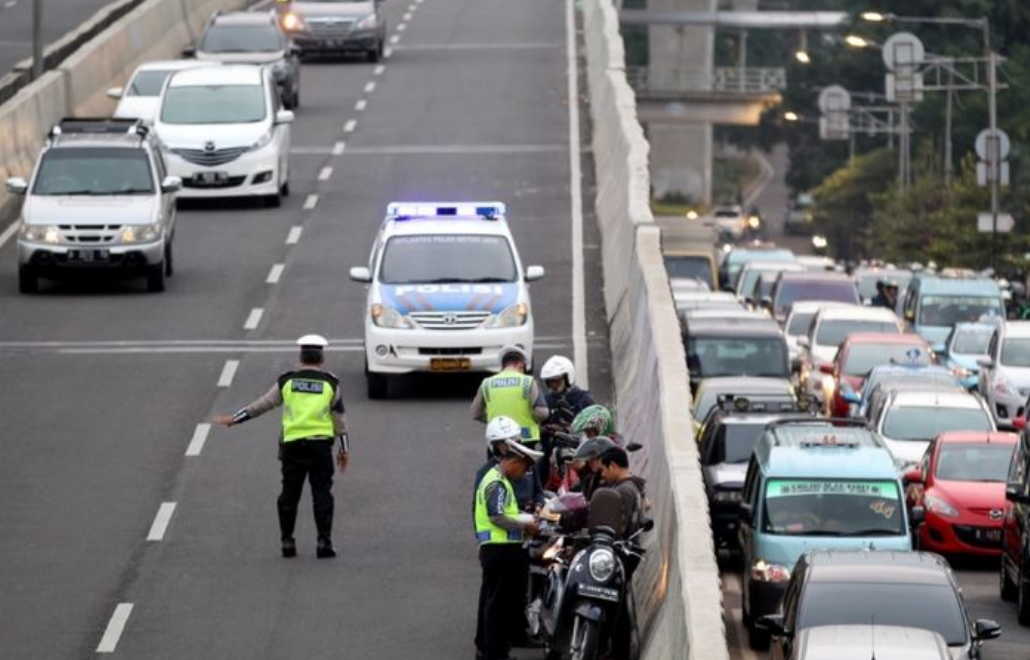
x=155, y=29
x=677, y=589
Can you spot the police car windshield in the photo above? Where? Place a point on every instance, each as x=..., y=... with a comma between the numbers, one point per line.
x=863, y=358
x=809, y=507
x=943, y=311
x=927, y=422
x=974, y=462
x=443, y=258
x=94, y=171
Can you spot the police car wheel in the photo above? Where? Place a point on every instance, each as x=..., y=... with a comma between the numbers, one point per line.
x=378, y=385
x=156, y=278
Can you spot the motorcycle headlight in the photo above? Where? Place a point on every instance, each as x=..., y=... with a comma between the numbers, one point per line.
x=367, y=23
x=140, y=233
x=263, y=141
x=940, y=506
x=388, y=317
x=511, y=317
x=45, y=233
x=762, y=571
x=292, y=22
x=602, y=564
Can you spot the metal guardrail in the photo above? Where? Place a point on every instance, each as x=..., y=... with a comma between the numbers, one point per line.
x=722, y=80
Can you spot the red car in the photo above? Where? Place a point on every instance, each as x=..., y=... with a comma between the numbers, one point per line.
x=960, y=483
x=859, y=353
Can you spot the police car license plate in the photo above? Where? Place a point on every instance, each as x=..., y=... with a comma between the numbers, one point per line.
x=450, y=364
x=88, y=256
x=601, y=593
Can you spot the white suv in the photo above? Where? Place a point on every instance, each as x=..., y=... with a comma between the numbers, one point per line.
x=1005, y=372
x=225, y=134
x=447, y=291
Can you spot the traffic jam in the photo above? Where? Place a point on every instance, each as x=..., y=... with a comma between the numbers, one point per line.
x=859, y=428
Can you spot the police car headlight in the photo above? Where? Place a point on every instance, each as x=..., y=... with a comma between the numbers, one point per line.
x=140, y=233
x=388, y=317
x=511, y=317
x=44, y=233
x=602, y=564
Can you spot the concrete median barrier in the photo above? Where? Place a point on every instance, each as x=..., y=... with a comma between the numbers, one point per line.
x=679, y=601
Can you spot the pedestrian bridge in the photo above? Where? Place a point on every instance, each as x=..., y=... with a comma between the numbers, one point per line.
x=724, y=96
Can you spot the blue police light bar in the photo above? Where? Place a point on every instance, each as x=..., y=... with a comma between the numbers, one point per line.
x=433, y=210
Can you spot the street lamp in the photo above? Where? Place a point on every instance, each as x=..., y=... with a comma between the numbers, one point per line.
x=803, y=57
x=856, y=41
x=802, y=52
x=790, y=115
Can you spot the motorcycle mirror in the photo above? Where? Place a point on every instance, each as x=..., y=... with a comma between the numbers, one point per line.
x=647, y=526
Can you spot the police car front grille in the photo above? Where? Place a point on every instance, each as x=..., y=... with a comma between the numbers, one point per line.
x=89, y=234
x=449, y=320
x=210, y=158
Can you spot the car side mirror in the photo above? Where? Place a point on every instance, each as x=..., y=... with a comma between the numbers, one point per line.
x=361, y=274
x=189, y=51
x=171, y=184
x=1019, y=423
x=985, y=362
x=17, y=185
x=913, y=476
x=746, y=513
x=772, y=623
x=534, y=273
x=986, y=629
x=766, y=302
x=918, y=516
x=284, y=117
x=115, y=92
x=1014, y=493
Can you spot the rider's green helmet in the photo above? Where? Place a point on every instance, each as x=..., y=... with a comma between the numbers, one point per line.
x=593, y=418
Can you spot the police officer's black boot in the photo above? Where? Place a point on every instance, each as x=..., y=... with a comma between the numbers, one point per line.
x=289, y=547
x=324, y=549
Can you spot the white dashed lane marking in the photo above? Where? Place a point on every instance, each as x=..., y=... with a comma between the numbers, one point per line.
x=395, y=38
x=349, y=126
x=387, y=52
x=228, y=373
x=325, y=173
x=401, y=27
x=254, y=318
x=378, y=71
x=370, y=87
x=311, y=202
x=407, y=17
x=161, y=520
x=294, y=235
x=199, y=438
x=109, y=642
x=275, y=274
x=338, y=148
x=361, y=105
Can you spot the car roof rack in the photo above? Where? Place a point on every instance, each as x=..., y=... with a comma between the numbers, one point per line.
x=99, y=126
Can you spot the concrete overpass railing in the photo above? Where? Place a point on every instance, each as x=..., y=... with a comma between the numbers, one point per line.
x=720, y=81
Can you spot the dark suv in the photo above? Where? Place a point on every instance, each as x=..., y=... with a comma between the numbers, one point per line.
x=1015, y=553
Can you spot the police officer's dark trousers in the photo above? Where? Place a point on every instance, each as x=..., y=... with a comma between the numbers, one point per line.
x=501, y=598
x=313, y=460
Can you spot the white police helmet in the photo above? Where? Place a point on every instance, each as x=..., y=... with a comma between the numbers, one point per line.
x=312, y=341
x=501, y=429
x=558, y=366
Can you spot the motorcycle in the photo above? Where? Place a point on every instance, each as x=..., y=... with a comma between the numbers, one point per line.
x=586, y=593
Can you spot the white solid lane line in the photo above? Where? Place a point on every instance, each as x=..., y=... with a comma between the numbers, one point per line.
x=275, y=273
x=254, y=318
x=361, y=105
x=378, y=71
x=6, y=235
x=228, y=373
x=294, y=236
x=579, y=326
x=199, y=438
x=109, y=642
x=311, y=202
x=325, y=173
x=350, y=125
x=370, y=87
x=161, y=520
x=338, y=148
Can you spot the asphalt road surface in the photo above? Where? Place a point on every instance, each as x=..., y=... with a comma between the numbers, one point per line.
x=59, y=18
x=130, y=526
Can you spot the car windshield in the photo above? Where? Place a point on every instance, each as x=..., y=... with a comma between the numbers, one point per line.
x=242, y=39
x=944, y=311
x=737, y=356
x=734, y=442
x=832, y=332
x=791, y=291
x=863, y=358
x=972, y=340
x=810, y=507
x=927, y=606
x=923, y=423
x=690, y=268
x=94, y=171
x=213, y=104
x=746, y=278
x=974, y=461
x=1015, y=352
x=447, y=258
x=147, y=83
x=799, y=323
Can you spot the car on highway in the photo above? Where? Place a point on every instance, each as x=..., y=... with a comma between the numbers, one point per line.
x=224, y=133
x=1005, y=372
x=816, y=263
x=711, y=390
x=934, y=303
x=446, y=292
x=827, y=331
x=799, y=216
x=735, y=258
x=909, y=420
x=1015, y=537
x=99, y=200
x=252, y=37
x=868, y=277
x=887, y=378
x=960, y=484
x=141, y=96
x=735, y=347
x=813, y=483
x=795, y=287
x=910, y=589
x=859, y=354
x=799, y=318
x=335, y=26
x=869, y=642
x=965, y=346
x=730, y=221
x=751, y=272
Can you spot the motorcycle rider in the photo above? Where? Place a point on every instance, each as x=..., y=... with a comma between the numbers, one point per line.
x=500, y=530
x=564, y=400
x=886, y=294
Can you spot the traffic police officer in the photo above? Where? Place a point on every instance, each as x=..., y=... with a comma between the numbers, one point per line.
x=312, y=419
x=500, y=529
x=513, y=394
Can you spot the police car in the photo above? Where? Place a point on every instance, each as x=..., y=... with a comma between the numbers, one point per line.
x=446, y=292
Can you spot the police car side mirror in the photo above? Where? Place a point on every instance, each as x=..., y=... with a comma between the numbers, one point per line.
x=360, y=274
x=17, y=185
x=534, y=273
x=171, y=184
x=284, y=117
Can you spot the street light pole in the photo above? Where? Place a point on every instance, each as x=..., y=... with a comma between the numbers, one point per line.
x=37, y=39
x=995, y=162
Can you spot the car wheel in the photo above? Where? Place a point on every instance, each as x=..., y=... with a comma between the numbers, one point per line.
x=1007, y=588
x=169, y=261
x=28, y=281
x=1022, y=598
x=156, y=278
x=374, y=54
x=378, y=385
x=284, y=190
x=274, y=201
